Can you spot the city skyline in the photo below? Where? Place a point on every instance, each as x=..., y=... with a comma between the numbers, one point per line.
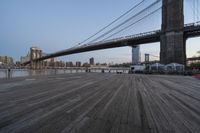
x=53, y=26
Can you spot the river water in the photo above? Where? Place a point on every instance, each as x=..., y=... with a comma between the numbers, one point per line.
x=25, y=72
x=4, y=74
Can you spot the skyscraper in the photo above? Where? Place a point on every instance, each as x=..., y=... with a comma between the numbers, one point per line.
x=135, y=55
x=78, y=64
x=146, y=58
x=92, y=61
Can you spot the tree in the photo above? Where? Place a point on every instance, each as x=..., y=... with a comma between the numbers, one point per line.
x=198, y=52
x=195, y=65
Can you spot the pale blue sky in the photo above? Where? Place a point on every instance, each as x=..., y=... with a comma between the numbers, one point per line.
x=55, y=25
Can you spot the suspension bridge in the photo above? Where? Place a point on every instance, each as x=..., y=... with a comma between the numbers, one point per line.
x=172, y=35
x=110, y=103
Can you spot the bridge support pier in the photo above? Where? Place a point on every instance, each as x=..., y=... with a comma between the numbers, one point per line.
x=172, y=49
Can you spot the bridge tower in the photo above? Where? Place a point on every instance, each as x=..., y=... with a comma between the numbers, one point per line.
x=34, y=54
x=172, y=47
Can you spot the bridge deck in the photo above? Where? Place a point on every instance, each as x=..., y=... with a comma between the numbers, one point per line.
x=190, y=30
x=100, y=103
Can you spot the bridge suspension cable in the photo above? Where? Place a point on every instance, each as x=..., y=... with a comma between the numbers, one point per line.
x=124, y=14
x=126, y=21
x=114, y=21
x=119, y=25
x=133, y=23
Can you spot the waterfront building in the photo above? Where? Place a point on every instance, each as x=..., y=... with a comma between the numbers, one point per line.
x=6, y=60
x=193, y=60
x=146, y=58
x=17, y=64
x=25, y=58
x=136, y=55
x=69, y=64
x=59, y=64
x=86, y=64
x=78, y=64
x=91, y=61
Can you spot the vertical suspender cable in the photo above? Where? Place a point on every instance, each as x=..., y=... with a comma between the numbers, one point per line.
x=198, y=11
x=194, y=11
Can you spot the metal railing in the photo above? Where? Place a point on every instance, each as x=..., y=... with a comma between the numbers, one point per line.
x=193, y=24
x=140, y=35
x=136, y=36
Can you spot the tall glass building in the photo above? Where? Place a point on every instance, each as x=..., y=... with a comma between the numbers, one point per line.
x=136, y=55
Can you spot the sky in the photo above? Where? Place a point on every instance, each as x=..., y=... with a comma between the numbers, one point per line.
x=54, y=25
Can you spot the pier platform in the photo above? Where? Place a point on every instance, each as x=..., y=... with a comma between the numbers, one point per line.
x=100, y=103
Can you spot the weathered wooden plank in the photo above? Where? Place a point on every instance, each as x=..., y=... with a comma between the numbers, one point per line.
x=100, y=103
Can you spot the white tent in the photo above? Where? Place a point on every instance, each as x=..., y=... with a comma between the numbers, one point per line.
x=174, y=67
x=157, y=67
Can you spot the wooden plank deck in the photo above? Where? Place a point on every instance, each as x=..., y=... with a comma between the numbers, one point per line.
x=100, y=103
